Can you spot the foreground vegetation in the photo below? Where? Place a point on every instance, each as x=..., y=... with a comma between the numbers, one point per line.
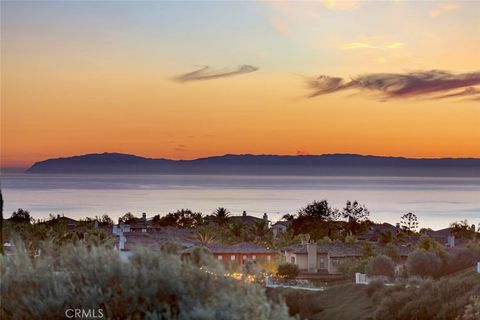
x=453, y=297
x=151, y=285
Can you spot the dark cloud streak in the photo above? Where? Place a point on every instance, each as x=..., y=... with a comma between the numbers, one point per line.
x=206, y=73
x=415, y=84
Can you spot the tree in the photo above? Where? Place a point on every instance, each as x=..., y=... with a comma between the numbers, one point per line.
x=288, y=217
x=105, y=220
x=385, y=237
x=288, y=270
x=423, y=263
x=183, y=218
x=462, y=229
x=21, y=216
x=320, y=210
x=381, y=266
x=316, y=219
x=221, y=215
x=355, y=214
x=205, y=235
x=128, y=218
x=409, y=222
x=367, y=250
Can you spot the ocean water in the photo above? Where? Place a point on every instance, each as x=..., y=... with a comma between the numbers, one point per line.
x=436, y=201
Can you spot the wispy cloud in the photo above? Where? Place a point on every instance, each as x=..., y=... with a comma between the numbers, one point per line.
x=207, y=73
x=435, y=84
x=442, y=8
x=340, y=4
x=366, y=45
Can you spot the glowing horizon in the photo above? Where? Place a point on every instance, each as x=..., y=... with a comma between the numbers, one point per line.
x=166, y=80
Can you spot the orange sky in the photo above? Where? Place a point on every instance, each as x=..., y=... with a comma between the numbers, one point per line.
x=69, y=89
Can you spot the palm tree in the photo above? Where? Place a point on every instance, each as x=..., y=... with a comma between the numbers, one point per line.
x=385, y=237
x=205, y=236
x=221, y=215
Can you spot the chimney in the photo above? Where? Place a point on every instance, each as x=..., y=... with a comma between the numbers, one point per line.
x=451, y=241
x=265, y=219
x=244, y=213
x=312, y=257
x=144, y=217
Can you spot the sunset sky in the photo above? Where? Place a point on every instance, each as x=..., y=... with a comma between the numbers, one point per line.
x=85, y=77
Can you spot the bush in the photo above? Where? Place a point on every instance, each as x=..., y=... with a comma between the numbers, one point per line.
x=423, y=263
x=150, y=284
x=288, y=270
x=440, y=299
x=381, y=266
x=392, y=251
x=460, y=259
x=374, y=286
x=348, y=267
x=472, y=311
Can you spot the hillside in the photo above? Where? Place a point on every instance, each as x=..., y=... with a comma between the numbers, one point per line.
x=447, y=295
x=327, y=164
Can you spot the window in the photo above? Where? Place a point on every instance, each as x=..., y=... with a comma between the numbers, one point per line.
x=254, y=257
x=232, y=257
x=244, y=257
x=292, y=259
x=269, y=258
x=322, y=263
x=219, y=258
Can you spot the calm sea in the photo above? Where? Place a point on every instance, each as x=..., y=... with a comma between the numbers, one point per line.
x=436, y=201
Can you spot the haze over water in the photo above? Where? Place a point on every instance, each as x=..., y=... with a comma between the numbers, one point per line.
x=436, y=201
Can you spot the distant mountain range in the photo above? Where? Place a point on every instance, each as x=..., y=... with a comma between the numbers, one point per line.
x=327, y=164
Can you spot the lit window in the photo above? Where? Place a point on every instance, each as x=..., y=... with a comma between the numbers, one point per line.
x=254, y=257
x=244, y=257
x=269, y=258
x=232, y=257
x=219, y=257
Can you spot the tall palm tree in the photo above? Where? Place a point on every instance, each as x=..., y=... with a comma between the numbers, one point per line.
x=221, y=215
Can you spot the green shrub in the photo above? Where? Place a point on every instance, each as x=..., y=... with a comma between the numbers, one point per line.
x=348, y=267
x=392, y=251
x=439, y=299
x=423, y=263
x=288, y=270
x=149, y=285
x=381, y=266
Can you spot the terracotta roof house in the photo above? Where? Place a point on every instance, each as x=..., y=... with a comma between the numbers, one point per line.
x=242, y=252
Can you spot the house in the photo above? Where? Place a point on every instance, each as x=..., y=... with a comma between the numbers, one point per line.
x=238, y=254
x=324, y=258
x=374, y=231
x=321, y=258
x=249, y=220
x=279, y=227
